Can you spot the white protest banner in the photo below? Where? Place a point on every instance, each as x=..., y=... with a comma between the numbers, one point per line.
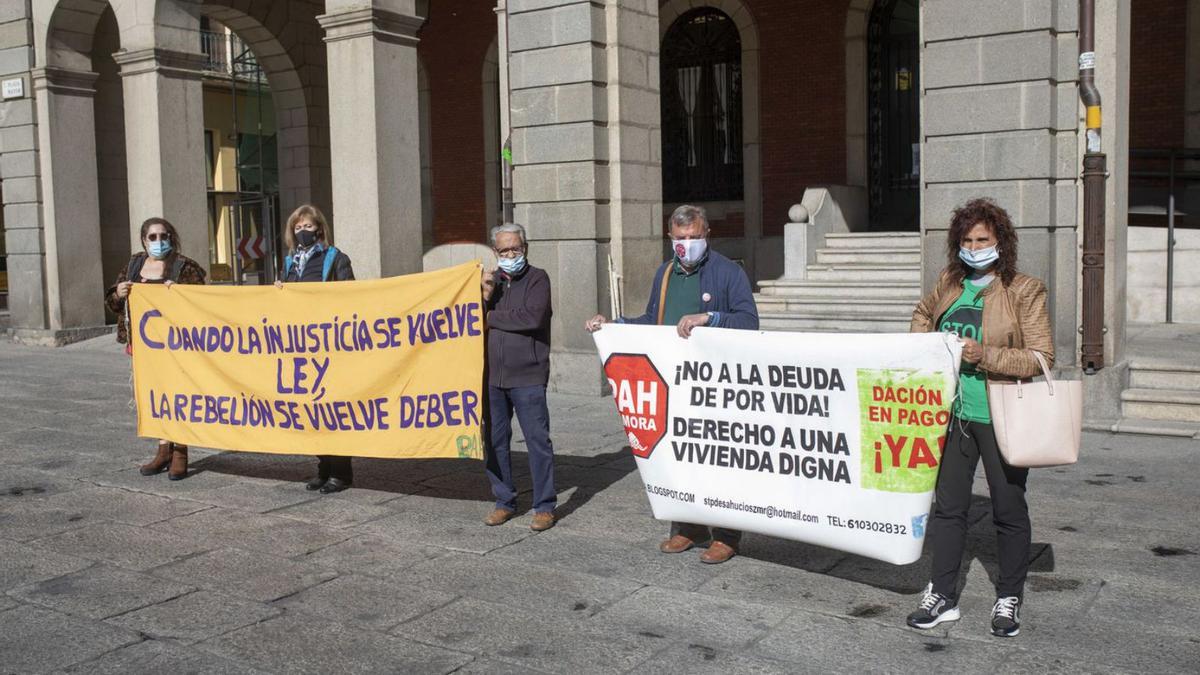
x=828, y=439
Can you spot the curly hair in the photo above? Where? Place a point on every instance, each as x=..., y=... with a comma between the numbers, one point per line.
x=986, y=211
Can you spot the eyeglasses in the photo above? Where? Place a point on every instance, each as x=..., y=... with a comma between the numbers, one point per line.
x=155, y=236
x=511, y=252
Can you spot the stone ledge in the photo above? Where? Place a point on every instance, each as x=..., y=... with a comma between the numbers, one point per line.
x=39, y=337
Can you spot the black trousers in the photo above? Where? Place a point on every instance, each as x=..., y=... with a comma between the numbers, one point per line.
x=966, y=444
x=333, y=466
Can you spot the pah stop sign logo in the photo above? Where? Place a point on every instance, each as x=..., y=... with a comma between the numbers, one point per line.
x=641, y=396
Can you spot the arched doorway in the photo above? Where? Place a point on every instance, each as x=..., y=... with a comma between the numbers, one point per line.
x=893, y=116
x=701, y=99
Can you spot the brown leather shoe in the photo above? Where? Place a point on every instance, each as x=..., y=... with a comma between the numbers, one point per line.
x=717, y=553
x=542, y=521
x=497, y=517
x=179, y=462
x=157, y=465
x=676, y=544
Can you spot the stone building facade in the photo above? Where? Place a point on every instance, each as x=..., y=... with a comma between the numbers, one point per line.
x=392, y=114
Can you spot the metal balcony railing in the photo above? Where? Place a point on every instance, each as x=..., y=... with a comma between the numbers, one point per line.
x=228, y=55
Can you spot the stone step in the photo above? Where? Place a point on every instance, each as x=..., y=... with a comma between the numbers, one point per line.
x=874, y=273
x=869, y=240
x=1176, y=405
x=888, y=307
x=1146, y=427
x=805, y=288
x=883, y=256
x=1164, y=375
x=830, y=323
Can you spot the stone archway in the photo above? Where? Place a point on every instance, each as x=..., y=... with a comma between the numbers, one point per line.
x=75, y=84
x=288, y=46
x=747, y=28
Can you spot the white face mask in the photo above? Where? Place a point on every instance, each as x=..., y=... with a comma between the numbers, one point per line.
x=689, y=251
x=981, y=259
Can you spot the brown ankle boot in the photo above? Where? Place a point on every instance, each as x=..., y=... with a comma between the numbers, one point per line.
x=160, y=461
x=178, y=462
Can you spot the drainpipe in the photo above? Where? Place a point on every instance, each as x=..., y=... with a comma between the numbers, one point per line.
x=1094, y=174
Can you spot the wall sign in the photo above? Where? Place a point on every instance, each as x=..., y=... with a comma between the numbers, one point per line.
x=14, y=88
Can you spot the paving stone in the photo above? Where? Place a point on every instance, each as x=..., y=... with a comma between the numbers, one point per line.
x=117, y=505
x=373, y=555
x=297, y=644
x=781, y=585
x=99, y=592
x=365, y=601
x=153, y=656
x=279, y=536
x=247, y=574
x=136, y=548
x=246, y=496
x=695, y=659
x=714, y=622
x=331, y=511
x=505, y=581
x=448, y=523
x=827, y=644
x=21, y=564
x=20, y=483
x=195, y=616
x=36, y=640
x=641, y=562
x=529, y=639
x=128, y=478
x=486, y=665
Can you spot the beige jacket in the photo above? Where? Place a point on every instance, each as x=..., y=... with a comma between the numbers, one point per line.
x=1015, y=320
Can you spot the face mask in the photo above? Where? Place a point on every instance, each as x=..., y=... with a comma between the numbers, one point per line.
x=306, y=238
x=981, y=259
x=159, y=249
x=512, y=266
x=690, y=251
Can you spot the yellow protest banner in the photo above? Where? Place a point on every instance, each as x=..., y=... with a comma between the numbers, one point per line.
x=385, y=368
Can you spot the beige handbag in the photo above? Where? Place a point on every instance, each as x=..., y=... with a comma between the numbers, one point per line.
x=1037, y=425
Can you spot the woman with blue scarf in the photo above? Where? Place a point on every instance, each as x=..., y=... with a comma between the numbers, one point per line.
x=310, y=257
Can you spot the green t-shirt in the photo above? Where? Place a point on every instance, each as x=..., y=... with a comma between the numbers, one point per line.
x=965, y=318
x=683, y=294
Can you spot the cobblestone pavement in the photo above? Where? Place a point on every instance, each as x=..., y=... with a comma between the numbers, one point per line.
x=239, y=569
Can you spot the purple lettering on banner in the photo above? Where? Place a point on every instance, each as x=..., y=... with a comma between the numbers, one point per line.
x=150, y=314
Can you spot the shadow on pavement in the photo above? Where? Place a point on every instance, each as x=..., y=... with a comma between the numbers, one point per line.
x=463, y=479
x=905, y=579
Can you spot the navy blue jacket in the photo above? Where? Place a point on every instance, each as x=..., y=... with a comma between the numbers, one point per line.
x=727, y=287
x=518, y=336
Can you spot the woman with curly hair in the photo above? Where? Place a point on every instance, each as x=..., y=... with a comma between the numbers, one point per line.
x=1000, y=315
x=159, y=262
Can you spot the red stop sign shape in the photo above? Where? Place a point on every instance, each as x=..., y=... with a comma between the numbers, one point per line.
x=641, y=396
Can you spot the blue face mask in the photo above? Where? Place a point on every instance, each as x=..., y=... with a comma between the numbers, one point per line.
x=159, y=249
x=981, y=259
x=512, y=266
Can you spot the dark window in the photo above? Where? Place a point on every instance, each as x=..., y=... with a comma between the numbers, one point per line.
x=702, y=108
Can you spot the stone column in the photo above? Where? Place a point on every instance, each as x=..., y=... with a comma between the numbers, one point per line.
x=587, y=181
x=374, y=129
x=999, y=119
x=19, y=170
x=1103, y=393
x=164, y=140
x=70, y=198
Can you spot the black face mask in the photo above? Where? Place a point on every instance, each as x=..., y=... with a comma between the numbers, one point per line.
x=306, y=238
